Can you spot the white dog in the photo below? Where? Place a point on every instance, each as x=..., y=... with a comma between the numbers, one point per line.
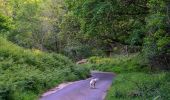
x=93, y=82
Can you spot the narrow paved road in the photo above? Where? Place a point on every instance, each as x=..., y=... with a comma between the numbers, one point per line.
x=80, y=90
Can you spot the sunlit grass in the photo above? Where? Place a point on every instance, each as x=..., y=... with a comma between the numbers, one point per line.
x=25, y=74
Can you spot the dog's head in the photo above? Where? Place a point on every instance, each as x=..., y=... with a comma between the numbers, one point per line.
x=96, y=79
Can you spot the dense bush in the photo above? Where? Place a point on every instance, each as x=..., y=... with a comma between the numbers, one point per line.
x=156, y=44
x=5, y=23
x=118, y=63
x=24, y=74
x=77, y=52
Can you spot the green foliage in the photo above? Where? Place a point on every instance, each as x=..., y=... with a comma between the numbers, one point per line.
x=119, y=63
x=139, y=86
x=4, y=23
x=107, y=20
x=25, y=71
x=36, y=23
x=80, y=29
x=74, y=44
x=134, y=79
x=157, y=42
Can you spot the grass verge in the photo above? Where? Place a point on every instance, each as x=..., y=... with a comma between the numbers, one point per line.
x=140, y=86
x=134, y=80
x=25, y=74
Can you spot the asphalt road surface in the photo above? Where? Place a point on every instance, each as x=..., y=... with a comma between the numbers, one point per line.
x=81, y=90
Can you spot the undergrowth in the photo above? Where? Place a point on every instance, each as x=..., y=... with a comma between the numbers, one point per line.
x=25, y=74
x=140, y=86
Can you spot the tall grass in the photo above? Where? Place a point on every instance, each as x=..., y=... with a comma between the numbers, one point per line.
x=140, y=86
x=24, y=74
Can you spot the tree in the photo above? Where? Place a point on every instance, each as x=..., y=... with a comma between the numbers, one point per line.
x=157, y=42
x=36, y=23
x=111, y=21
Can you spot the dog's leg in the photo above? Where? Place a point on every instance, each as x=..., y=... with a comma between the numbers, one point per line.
x=93, y=85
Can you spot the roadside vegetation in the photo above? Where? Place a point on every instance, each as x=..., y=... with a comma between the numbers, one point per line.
x=40, y=41
x=25, y=74
x=134, y=79
x=140, y=86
